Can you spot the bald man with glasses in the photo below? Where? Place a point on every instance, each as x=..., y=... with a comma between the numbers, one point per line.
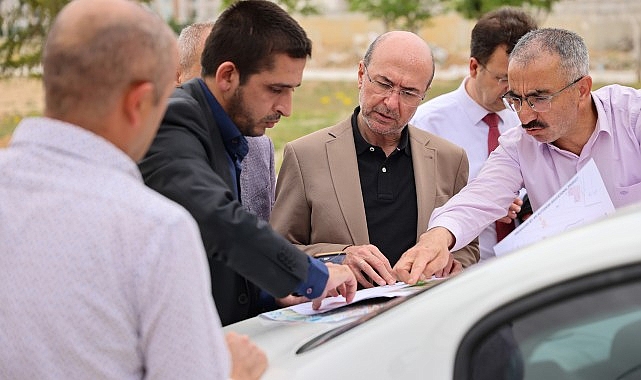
x=564, y=125
x=367, y=185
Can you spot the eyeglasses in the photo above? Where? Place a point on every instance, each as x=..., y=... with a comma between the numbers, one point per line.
x=538, y=103
x=502, y=80
x=385, y=89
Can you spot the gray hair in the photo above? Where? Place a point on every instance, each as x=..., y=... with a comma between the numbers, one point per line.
x=189, y=44
x=569, y=46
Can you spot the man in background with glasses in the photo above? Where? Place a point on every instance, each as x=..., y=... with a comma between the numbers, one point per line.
x=462, y=116
x=563, y=126
x=367, y=185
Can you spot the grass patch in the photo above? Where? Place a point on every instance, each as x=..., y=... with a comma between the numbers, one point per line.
x=322, y=104
x=317, y=104
x=7, y=124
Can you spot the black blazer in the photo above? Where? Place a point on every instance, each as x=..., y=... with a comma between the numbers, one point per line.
x=187, y=163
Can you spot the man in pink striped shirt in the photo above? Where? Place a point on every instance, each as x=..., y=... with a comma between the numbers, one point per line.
x=563, y=126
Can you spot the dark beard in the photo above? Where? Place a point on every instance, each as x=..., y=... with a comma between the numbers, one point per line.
x=241, y=117
x=238, y=114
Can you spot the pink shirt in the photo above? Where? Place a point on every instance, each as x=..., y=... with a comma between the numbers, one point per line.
x=521, y=161
x=458, y=118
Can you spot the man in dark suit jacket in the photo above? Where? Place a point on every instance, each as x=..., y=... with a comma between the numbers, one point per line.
x=258, y=169
x=252, y=61
x=368, y=185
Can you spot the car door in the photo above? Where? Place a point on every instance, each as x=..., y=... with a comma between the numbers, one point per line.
x=584, y=328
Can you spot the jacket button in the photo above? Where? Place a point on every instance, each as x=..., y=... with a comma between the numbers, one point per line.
x=242, y=298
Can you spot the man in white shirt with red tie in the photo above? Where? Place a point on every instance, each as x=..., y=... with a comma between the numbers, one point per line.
x=473, y=115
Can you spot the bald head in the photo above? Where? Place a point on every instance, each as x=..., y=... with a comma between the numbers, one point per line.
x=402, y=47
x=96, y=49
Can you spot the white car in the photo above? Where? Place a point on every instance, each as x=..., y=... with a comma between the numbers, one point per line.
x=568, y=307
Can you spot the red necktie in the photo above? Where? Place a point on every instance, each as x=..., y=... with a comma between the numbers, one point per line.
x=492, y=120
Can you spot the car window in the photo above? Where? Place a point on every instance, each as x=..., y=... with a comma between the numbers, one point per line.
x=584, y=329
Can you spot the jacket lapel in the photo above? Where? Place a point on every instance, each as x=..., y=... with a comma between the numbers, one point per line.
x=219, y=155
x=424, y=163
x=343, y=167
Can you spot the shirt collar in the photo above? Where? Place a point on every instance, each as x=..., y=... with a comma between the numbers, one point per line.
x=474, y=111
x=602, y=124
x=235, y=143
x=75, y=141
x=362, y=145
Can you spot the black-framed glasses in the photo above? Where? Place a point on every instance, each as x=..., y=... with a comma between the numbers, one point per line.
x=501, y=79
x=407, y=97
x=538, y=103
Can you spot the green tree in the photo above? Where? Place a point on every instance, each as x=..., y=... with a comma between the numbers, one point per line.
x=399, y=14
x=23, y=27
x=178, y=26
x=474, y=9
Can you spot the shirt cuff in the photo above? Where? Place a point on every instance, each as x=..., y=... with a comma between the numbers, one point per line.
x=317, y=276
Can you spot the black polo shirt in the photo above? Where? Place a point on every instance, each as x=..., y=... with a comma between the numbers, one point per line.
x=389, y=194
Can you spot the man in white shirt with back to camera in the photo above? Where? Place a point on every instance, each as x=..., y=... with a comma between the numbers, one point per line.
x=100, y=276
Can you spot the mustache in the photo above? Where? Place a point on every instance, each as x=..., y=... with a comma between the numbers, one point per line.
x=534, y=124
x=272, y=118
x=386, y=112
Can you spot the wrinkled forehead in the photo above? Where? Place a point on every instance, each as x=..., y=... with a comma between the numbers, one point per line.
x=539, y=75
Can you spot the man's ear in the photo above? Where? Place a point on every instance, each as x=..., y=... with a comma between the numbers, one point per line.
x=138, y=99
x=474, y=67
x=227, y=77
x=585, y=87
x=178, y=79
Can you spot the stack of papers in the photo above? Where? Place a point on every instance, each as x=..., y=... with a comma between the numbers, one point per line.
x=304, y=311
x=582, y=200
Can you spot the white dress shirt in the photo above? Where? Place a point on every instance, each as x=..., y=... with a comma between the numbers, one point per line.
x=100, y=277
x=521, y=161
x=458, y=118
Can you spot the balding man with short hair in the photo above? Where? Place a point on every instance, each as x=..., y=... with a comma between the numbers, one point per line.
x=101, y=277
x=367, y=185
x=191, y=42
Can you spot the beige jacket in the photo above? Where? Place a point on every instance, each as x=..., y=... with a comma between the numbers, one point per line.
x=319, y=204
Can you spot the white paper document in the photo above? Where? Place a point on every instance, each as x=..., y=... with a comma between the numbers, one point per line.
x=582, y=200
x=331, y=303
x=335, y=309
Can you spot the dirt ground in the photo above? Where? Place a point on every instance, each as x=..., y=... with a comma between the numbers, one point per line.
x=20, y=96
